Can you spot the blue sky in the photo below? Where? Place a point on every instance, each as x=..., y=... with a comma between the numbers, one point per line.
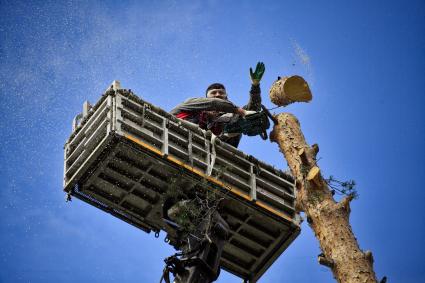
x=364, y=61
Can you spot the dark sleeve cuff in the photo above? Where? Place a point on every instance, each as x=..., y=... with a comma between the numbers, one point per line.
x=255, y=89
x=254, y=99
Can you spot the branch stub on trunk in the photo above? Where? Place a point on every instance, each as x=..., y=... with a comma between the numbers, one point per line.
x=314, y=175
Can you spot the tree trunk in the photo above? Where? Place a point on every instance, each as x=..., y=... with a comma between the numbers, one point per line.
x=328, y=219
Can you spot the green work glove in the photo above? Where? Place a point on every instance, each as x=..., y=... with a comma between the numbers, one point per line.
x=258, y=74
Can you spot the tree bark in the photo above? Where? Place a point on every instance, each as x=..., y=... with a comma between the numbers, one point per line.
x=328, y=219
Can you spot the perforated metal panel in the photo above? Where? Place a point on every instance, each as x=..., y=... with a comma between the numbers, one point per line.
x=127, y=153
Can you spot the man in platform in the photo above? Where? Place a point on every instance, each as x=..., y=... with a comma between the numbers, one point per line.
x=209, y=112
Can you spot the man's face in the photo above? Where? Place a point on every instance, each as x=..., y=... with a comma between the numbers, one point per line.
x=217, y=93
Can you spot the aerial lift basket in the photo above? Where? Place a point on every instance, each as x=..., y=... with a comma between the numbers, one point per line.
x=125, y=155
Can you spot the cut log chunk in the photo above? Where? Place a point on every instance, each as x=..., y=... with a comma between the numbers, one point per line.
x=291, y=89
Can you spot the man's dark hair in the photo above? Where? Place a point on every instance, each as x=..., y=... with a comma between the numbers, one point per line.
x=215, y=86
